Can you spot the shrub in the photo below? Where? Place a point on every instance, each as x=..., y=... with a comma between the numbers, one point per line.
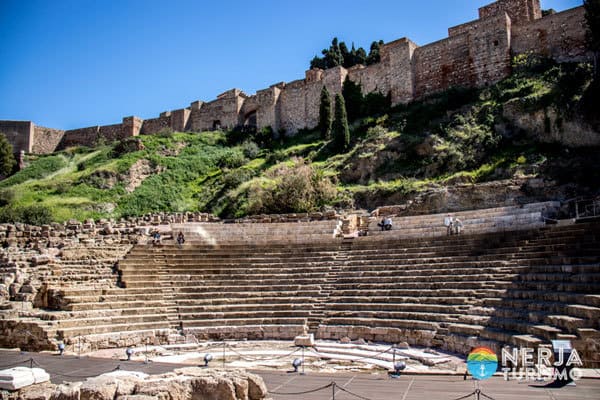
x=127, y=145
x=295, y=188
x=232, y=159
x=32, y=215
x=250, y=149
x=233, y=179
x=6, y=197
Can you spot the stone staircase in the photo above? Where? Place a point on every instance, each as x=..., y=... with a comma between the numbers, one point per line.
x=247, y=281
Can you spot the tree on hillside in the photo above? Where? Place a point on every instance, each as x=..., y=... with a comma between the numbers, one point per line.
x=341, y=132
x=7, y=158
x=353, y=98
x=338, y=54
x=374, y=53
x=592, y=16
x=325, y=115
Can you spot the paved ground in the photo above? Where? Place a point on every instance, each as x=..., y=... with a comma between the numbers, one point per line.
x=284, y=385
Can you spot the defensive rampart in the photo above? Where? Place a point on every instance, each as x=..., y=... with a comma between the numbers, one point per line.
x=475, y=54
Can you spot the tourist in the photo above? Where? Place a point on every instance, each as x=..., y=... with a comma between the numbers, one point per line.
x=448, y=221
x=457, y=226
x=387, y=225
x=156, y=237
x=180, y=239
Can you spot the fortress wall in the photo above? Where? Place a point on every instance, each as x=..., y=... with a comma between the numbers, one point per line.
x=268, y=107
x=132, y=126
x=293, y=106
x=111, y=133
x=79, y=137
x=154, y=125
x=489, y=49
x=560, y=36
x=519, y=11
x=180, y=119
x=396, y=58
x=476, y=54
x=20, y=134
x=224, y=110
x=442, y=64
x=371, y=78
x=46, y=140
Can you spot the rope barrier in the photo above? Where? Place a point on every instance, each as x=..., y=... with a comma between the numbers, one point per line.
x=474, y=393
x=352, y=394
x=330, y=384
x=15, y=364
x=118, y=367
x=477, y=392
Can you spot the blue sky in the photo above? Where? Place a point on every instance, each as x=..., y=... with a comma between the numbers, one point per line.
x=76, y=63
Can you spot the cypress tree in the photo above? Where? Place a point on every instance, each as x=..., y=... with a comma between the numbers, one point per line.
x=325, y=117
x=353, y=99
x=341, y=132
x=7, y=158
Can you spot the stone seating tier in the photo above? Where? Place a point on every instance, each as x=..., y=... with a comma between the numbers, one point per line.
x=526, y=286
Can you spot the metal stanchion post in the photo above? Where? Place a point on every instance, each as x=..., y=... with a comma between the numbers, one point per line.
x=302, y=373
x=333, y=390
x=79, y=347
x=223, y=353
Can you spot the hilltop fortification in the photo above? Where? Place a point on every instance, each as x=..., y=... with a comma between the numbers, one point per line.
x=474, y=54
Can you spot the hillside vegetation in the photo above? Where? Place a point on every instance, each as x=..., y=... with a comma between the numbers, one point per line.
x=540, y=123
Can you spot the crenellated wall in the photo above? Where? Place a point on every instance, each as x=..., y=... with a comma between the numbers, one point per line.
x=474, y=54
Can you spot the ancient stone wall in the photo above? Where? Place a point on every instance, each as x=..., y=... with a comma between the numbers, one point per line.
x=222, y=113
x=111, y=133
x=519, y=11
x=475, y=54
x=560, y=36
x=179, y=119
x=77, y=137
x=46, y=140
x=19, y=134
x=154, y=125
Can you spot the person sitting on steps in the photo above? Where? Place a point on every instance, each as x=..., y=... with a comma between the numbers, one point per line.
x=156, y=237
x=180, y=239
x=385, y=224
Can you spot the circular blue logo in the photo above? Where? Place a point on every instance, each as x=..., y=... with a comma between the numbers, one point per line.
x=482, y=363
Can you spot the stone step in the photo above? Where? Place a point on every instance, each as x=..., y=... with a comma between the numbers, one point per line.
x=114, y=320
x=375, y=322
x=194, y=323
x=112, y=329
x=243, y=315
x=247, y=331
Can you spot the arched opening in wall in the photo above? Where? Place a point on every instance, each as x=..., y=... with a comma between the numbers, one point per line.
x=216, y=124
x=250, y=122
